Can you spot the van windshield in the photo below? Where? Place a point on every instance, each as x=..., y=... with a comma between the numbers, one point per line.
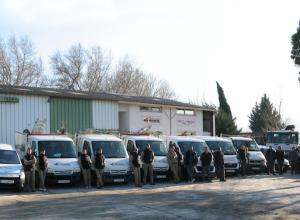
x=58, y=149
x=197, y=145
x=110, y=149
x=158, y=147
x=251, y=145
x=9, y=157
x=226, y=146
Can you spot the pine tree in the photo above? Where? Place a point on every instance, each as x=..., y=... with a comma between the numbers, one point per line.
x=265, y=117
x=224, y=106
x=295, y=53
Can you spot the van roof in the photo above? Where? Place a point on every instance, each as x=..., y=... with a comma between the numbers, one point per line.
x=212, y=138
x=50, y=138
x=241, y=138
x=7, y=147
x=184, y=138
x=143, y=137
x=100, y=137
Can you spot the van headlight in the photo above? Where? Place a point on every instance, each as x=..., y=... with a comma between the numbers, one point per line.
x=76, y=170
x=22, y=175
x=50, y=170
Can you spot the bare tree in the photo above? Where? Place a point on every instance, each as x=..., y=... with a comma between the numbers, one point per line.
x=81, y=69
x=129, y=79
x=19, y=64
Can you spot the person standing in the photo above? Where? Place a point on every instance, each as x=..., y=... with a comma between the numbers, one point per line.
x=206, y=159
x=173, y=162
x=271, y=157
x=280, y=160
x=136, y=164
x=190, y=161
x=293, y=159
x=42, y=169
x=242, y=156
x=86, y=164
x=99, y=164
x=148, y=158
x=219, y=164
x=180, y=161
x=29, y=168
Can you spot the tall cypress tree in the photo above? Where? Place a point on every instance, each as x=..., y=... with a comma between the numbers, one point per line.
x=225, y=123
x=295, y=53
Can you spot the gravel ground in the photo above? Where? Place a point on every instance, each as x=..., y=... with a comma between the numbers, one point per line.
x=254, y=197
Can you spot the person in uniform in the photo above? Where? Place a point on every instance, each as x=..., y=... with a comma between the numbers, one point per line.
x=219, y=164
x=280, y=160
x=180, y=161
x=271, y=157
x=173, y=162
x=85, y=164
x=293, y=159
x=99, y=164
x=136, y=165
x=242, y=156
x=206, y=159
x=29, y=168
x=190, y=161
x=148, y=158
x=42, y=169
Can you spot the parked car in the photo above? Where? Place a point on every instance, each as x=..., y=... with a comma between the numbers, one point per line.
x=230, y=154
x=184, y=143
x=63, y=167
x=257, y=160
x=160, y=164
x=11, y=170
x=117, y=169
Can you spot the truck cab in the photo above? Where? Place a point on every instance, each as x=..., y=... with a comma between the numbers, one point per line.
x=11, y=169
x=257, y=160
x=230, y=154
x=184, y=143
x=117, y=169
x=160, y=164
x=63, y=167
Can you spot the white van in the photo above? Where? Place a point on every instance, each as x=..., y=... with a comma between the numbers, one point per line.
x=117, y=167
x=230, y=154
x=160, y=164
x=184, y=143
x=11, y=170
x=63, y=167
x=257, y=160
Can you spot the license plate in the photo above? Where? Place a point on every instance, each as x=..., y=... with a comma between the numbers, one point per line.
x=230, y=171
x=118, y=180
x=255, y=168
x=7, y=181
x=63, y=181
x=161, y=176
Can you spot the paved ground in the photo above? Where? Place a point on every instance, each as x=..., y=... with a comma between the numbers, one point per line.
x=256, y=197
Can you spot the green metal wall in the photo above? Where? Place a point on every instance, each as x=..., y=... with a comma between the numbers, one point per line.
x=75, y=113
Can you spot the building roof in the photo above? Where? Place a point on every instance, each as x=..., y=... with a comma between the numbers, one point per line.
x=39, y=91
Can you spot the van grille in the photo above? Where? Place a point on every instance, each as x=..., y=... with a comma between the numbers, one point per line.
x=64, y=172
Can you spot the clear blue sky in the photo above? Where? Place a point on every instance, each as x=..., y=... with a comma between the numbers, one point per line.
x=245, y=45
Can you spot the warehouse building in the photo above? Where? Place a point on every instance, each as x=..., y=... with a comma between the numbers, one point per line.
x=22, y=107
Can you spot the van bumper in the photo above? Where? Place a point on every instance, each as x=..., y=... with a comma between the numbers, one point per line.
x=232, y=168
x=52, y=179
x=11, y=183
x=160, y=174
x=116, y=178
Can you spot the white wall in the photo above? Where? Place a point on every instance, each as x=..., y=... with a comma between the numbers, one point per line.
x=105, y=115
x=19, y=116
x=134, y=119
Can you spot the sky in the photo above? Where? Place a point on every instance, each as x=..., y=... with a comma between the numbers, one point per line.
x=242, y=44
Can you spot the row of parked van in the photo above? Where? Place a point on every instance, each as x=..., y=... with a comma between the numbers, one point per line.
x=63, y=153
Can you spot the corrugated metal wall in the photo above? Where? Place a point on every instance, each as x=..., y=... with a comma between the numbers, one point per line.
x=105, y=115
x=75, y=113
x=18, y=116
